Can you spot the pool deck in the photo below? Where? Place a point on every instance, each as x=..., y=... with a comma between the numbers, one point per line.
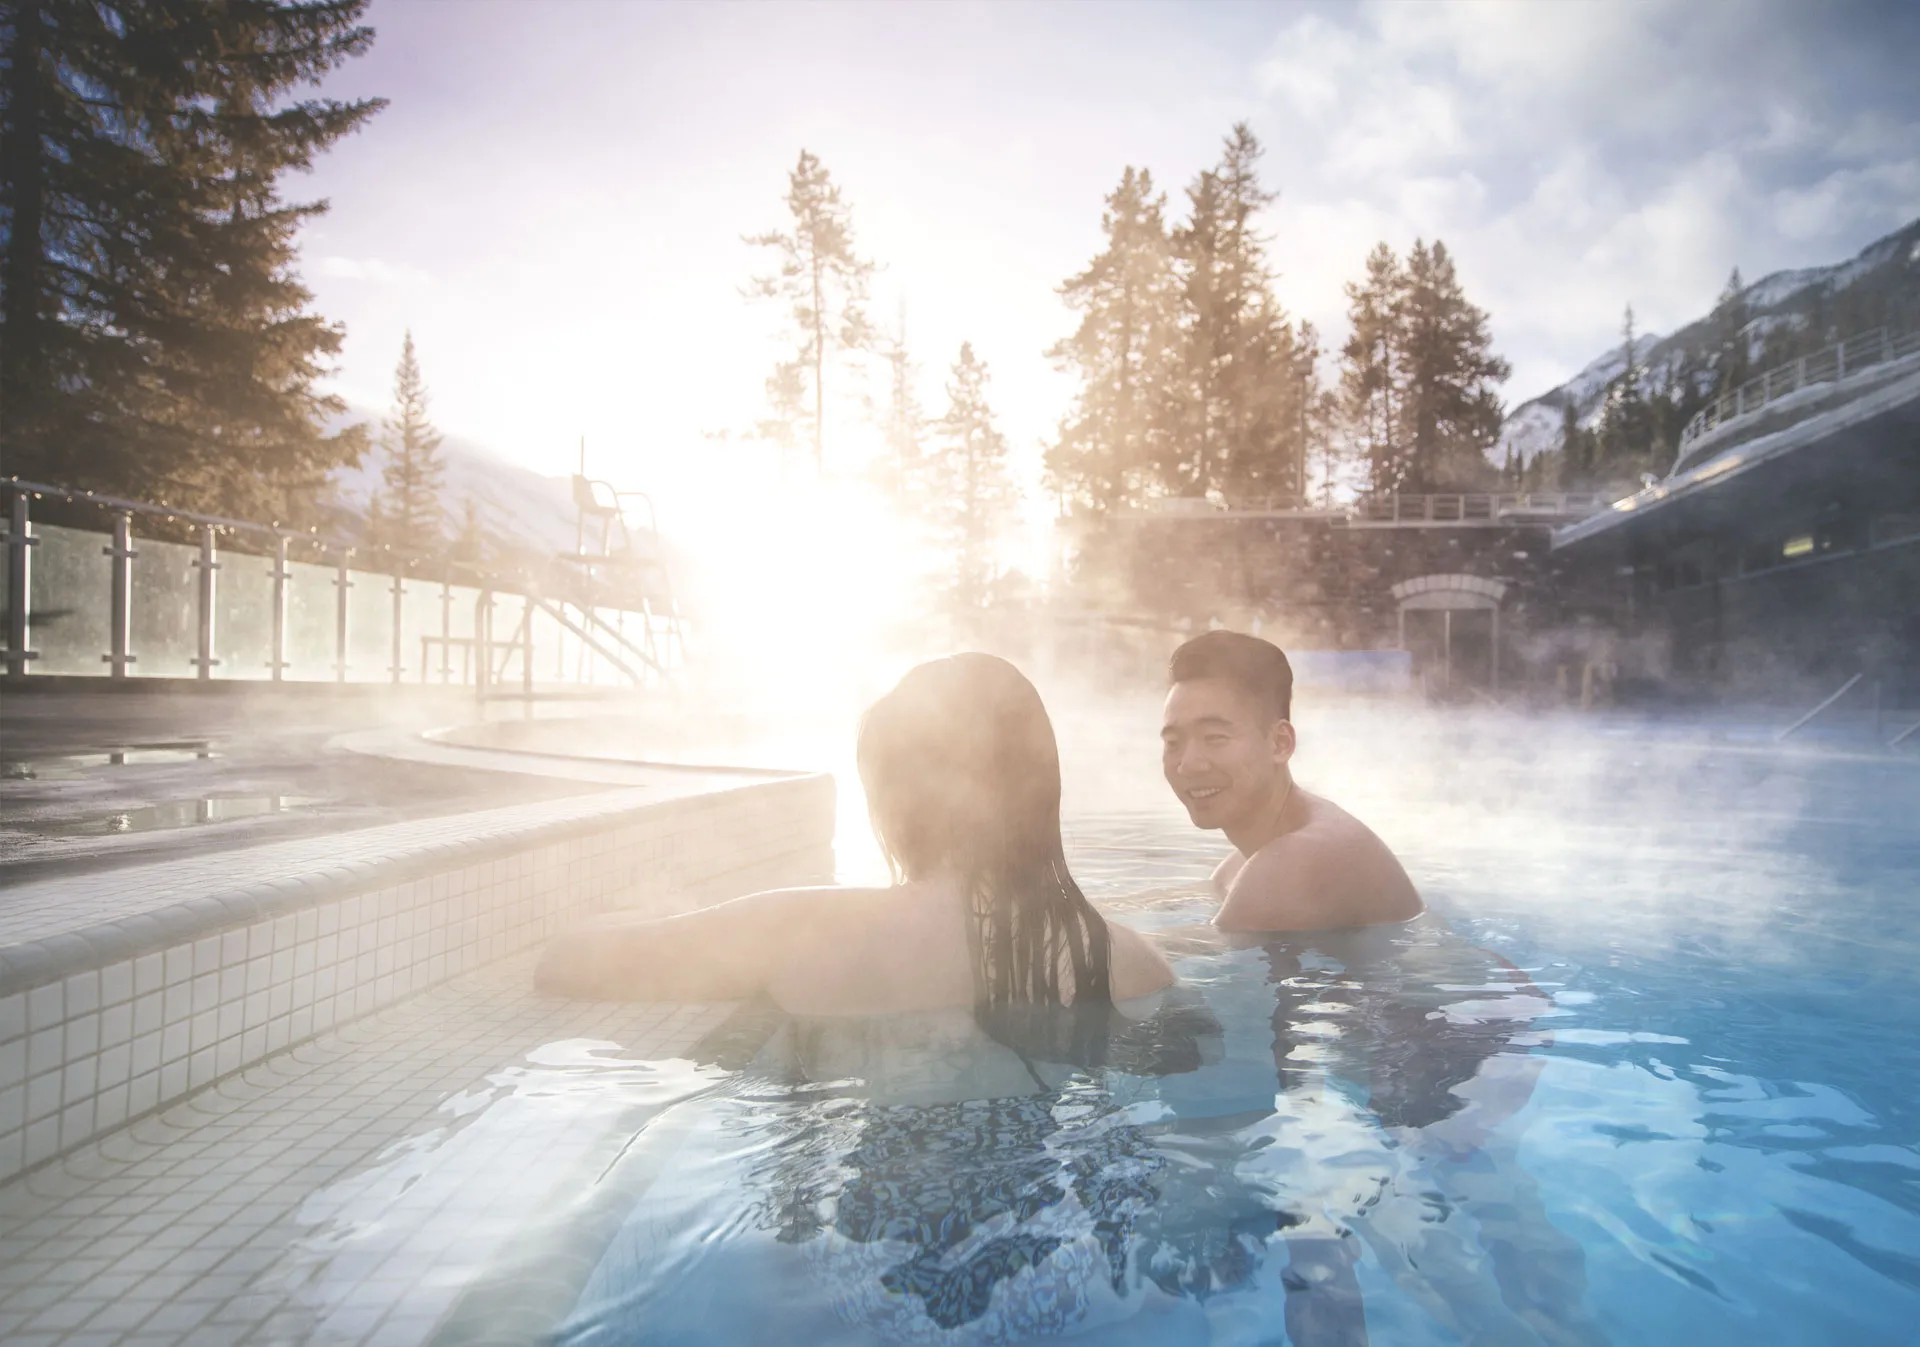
x=127, y=991
x=348, y=1190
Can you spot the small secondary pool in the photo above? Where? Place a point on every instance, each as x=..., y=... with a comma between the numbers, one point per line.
x=1646, y=1075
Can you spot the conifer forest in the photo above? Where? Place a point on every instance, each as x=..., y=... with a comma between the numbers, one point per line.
x=159, y=341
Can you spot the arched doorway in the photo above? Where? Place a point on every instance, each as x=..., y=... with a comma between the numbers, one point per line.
x=1451, y=626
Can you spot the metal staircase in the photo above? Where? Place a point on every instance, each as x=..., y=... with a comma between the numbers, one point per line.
x=616, y=573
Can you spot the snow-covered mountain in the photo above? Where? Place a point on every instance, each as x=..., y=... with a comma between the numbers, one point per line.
x=1881, y=284
x=526, y=516
x=515, y=503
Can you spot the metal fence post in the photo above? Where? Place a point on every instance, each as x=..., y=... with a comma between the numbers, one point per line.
x=19, y=585
x=208, y=563
x=1840, y=361
x=120, y=589
x=281, y=576
x=342, y=582
x=399, y=592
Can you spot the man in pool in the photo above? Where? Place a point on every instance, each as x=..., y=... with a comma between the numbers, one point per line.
x=1300, y=863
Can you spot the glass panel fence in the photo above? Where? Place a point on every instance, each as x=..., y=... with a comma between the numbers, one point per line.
x=463, y=655
x=606, y=631
x=369, y=627
x=312, y=610
x=68, y=577
x=420, y=617
x=243, y=616
x=508, y=667
x=585, y=664
x=621, y=640
x=166, y=609
x=574, y=658
x=666, y=640
x=70, y=616
x=546, y=652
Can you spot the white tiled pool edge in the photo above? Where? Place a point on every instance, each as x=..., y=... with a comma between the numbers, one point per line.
x=87, y=1046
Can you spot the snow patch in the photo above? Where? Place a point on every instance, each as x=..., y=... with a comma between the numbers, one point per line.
x=1775, y=301
x=514, y=502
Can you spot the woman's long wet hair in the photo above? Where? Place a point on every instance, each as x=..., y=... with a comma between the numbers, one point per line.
x=963, y=777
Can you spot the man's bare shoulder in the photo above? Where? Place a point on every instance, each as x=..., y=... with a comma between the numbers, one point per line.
x=1227, y=871
x=1327, y=820
x=1332, y=870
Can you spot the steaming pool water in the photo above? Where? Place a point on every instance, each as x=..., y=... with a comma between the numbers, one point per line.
x=1645, y=1074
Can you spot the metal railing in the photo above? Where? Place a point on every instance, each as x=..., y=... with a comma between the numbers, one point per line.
x=1827, y=366
x=1477, y=507
x=238, y=601
x=1399, y=508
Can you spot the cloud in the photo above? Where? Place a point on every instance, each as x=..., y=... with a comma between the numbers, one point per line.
x=372, y=269
x=1580, y=156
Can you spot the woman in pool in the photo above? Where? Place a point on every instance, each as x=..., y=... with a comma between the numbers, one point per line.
x=963, y=782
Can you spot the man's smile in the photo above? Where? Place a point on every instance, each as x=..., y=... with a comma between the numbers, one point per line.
x=1202, y=792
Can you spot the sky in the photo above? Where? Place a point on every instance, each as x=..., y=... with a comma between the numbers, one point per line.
x=554, y=201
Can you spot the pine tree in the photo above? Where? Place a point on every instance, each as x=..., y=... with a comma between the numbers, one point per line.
x=1325, y=447
x=905, y=424
x=1732, y=358
x=411, y=517
x=1449, y=411
x=1575, y=466
x=823, y=281
x=1369, y=369
x=1671, y=401
x=1110, y=443
x=787, y=410
x=156, y=339
x=972, y=498
x=1235, y=409
x=471, y=545
x=1625, y=434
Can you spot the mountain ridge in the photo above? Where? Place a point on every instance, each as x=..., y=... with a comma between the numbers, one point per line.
x=1879, y=284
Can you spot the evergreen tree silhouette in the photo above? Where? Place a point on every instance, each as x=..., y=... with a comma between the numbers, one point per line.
x=1732, y=358
x=1625, y=436
x=823, y=282
x=1369, y=368
x=905, y=424
x=157, y=340
x=1449, y=410
x=1236, y=405
x=411, y=517
x=971, y=493
x=1111, y=443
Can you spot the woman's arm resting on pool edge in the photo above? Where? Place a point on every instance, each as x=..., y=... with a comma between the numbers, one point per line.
x=720, y=953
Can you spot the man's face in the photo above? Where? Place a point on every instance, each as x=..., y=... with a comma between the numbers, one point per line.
x=1223, y=753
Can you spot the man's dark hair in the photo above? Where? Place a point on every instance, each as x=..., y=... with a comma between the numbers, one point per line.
x=1258, y=668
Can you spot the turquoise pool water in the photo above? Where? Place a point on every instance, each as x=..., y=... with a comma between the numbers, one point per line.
x=1647, y=1074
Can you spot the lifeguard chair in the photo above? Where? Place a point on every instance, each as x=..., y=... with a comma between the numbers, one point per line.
x=621, y=565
